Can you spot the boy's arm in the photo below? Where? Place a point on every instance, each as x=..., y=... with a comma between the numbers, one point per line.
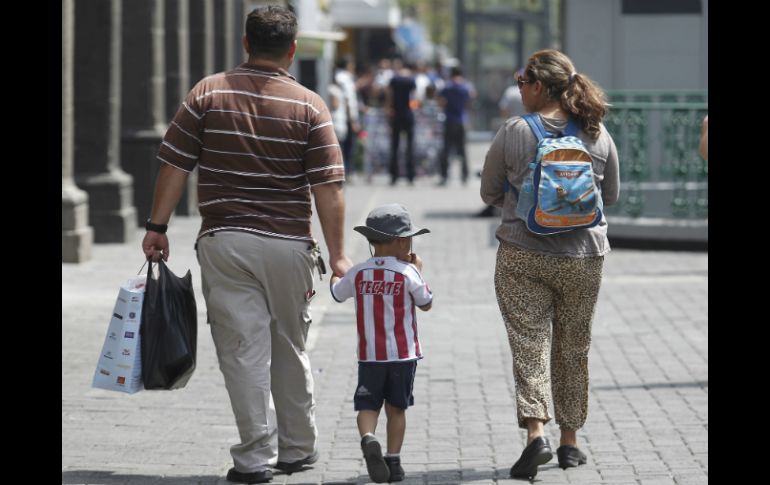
x=333, y=281
x=422, y=290
x=340, y=288
x=416, y=261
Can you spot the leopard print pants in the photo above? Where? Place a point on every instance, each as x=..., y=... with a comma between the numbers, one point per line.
x=547, y=304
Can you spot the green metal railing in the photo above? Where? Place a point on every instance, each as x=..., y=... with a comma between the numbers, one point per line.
x=657, y=136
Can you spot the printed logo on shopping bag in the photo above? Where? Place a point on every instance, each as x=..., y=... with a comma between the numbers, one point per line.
x=121, y=353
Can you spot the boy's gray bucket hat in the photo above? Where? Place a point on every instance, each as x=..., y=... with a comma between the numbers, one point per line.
x=388, y=222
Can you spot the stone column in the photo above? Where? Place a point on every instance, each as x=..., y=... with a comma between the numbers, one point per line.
x=201, y=39
x=201, y=22
x=178, y=82
x=97, y=131
x=76, y=235
x=239, y=29
x=143, y=78
x=224, y=35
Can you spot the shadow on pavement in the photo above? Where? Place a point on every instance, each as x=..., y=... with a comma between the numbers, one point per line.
x=103, y=477
x=662, y=385
x=658, y=244
x=448, y=476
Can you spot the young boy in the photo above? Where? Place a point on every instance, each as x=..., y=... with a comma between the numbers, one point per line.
x=386, y=288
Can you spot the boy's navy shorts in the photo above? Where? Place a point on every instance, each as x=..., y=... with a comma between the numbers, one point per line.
x=389, y=381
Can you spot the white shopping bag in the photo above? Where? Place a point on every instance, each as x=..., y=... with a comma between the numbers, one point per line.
x=120, y=364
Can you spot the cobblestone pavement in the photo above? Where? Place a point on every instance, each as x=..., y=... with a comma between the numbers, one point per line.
x=648, y=407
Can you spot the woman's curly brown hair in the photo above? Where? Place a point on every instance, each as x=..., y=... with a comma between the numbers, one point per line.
x=578, y=95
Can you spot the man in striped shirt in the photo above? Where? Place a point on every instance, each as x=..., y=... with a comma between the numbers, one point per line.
x=262, y=143
x=386, y=289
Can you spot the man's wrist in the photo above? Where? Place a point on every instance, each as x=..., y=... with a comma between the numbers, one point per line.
x=336, y=256
x=159, y=228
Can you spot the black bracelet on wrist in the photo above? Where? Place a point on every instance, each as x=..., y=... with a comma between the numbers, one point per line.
x=159, y=228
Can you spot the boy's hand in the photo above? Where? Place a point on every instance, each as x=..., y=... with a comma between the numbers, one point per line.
x=340, y=265
x=334, y=279
x=416, y=260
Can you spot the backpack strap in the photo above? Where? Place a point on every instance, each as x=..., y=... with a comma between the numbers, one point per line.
x=572, y=127
x=533, y=120
x=536, y=125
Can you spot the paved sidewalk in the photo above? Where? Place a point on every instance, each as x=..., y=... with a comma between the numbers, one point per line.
x=648, y=409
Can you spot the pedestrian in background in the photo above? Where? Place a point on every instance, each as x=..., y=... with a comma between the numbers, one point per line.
x=547, y=286
x=344, y=77
x=338, y=106
x=510, y=102
x=386, y=288
x=455, y=98
x=399, y=109
x=263, y=143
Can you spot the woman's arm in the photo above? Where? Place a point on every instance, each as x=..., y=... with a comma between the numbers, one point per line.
x=493, y=174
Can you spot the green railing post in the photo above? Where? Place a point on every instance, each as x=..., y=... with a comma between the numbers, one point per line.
x=701, y=170
x=676, y=130
x=657, y=135
x=637, y=160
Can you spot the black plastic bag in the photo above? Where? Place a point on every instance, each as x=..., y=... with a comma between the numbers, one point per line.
x=169, y=329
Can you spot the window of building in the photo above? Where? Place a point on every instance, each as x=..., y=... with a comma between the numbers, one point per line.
x=631, y=7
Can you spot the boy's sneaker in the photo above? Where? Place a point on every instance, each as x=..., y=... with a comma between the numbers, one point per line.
x=375, y=464
x=396, y=471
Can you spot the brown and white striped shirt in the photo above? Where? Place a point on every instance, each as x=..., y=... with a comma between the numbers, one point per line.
x=261, y=140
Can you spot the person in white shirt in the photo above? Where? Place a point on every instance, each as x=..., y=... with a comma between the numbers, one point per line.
x=338, y=105
x=510, y=103
x=345, y=79
x=387, y=288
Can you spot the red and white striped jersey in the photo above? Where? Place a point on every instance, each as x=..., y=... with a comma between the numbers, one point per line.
x=386, y=290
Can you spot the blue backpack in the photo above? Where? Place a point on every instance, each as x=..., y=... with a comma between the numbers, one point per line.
x=559, y=192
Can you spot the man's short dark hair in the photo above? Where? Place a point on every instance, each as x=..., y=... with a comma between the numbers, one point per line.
x=271, y=31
